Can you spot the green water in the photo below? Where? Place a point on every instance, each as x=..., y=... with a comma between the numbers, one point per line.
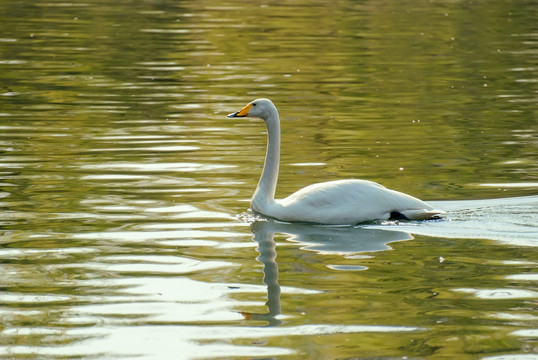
x=124, y=188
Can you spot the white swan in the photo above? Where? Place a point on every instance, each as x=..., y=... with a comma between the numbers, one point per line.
x=341, y=202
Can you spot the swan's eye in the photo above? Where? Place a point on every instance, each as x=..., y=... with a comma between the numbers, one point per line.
x=254, y=104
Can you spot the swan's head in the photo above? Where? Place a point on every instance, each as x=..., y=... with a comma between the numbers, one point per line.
x=260, y=108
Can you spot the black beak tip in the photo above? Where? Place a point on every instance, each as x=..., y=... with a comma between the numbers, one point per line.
x=235, y=115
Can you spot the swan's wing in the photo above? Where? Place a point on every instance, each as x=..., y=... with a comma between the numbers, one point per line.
x=348, y=202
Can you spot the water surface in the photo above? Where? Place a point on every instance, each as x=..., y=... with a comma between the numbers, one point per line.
x=124, y=190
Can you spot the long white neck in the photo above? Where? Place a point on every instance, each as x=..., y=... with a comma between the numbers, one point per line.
x=265, y=192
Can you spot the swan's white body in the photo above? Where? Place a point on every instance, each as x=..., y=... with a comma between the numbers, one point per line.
x=341, y=202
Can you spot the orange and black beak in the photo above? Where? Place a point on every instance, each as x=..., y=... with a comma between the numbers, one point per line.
x=241, y=113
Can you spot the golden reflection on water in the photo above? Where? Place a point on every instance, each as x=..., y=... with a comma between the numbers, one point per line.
x=121, y=179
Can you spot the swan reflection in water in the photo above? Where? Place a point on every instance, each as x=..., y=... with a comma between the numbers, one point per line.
x=347, y=241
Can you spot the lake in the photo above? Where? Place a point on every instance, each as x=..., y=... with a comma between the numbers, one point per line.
x=124, y=189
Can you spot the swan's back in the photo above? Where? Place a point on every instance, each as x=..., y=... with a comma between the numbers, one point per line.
x=348, y=202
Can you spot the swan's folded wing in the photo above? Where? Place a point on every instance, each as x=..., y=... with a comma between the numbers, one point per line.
x=349, y=202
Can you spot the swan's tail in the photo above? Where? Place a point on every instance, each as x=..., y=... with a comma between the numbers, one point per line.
x=423, y=214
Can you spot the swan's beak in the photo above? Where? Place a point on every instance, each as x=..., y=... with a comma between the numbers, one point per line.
x=241, y=113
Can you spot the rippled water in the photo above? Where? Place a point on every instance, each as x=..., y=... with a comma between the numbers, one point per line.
x=124, y=230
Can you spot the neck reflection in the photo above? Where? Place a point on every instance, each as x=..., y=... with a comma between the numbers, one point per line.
x=345, y=241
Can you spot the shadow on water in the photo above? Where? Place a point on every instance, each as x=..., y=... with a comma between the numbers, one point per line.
x=509, y=220
x=347, y=241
